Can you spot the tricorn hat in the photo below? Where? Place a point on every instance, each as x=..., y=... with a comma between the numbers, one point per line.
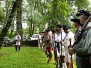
x=65, y=27
x=76, y=21
x=83, y=12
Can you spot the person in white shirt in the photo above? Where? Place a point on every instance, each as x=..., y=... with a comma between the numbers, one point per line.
x=66, y=43
x=17, y=39
x=59, y=49
x=53, y=38
x=40, y=40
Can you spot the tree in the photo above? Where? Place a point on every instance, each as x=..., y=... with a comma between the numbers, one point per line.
x=19, y=18
x=9, y=21
x=1, y=16
x=38, y=14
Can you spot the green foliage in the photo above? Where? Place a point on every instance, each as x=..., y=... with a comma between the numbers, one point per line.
x=38, y=13
x=7, y=9
x=5, y=12
x=1, y=14
x=82, y=4
x=52, y=12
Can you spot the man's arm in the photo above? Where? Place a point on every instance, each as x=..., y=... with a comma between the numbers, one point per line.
x=83, y=45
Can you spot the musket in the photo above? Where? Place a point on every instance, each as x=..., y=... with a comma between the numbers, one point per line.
x=61, y=57
x=71, y=55
x=55, y=53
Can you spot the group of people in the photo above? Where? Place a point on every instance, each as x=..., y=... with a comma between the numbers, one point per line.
x=62, y=43
x=56, y=42
x=82, y=44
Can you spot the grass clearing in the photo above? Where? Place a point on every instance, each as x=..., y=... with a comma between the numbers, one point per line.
x=28, y=57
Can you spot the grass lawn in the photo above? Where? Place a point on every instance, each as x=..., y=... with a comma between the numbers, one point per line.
x=28, y=57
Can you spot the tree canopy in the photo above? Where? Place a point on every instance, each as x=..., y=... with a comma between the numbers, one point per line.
x=38, y=14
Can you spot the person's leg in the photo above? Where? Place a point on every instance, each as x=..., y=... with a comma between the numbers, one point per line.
x=90, y=61
x=16, y=47
x=58, y=47
x=39, y=44
x=64, y=65
x=83, y=62
x=19, y=47
x=55, y=54
x=86, y=63
x=78, y=62
x=57, y=62
x=47, y=53
x=62, y=61
x=68, y=65
x=51, y=56
x=67, y=59
x=50, y=53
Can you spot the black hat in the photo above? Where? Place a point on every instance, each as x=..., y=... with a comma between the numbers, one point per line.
x=83, y=12
x=53, y=30
x=65, y=27
x=59, y=26
x=48, y=29
x=76, y=21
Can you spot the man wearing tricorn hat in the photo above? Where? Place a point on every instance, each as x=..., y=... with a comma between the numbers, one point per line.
x=82, y=48
x=59, y=36
x=78, y=26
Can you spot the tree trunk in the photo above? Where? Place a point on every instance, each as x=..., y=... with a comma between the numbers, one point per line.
x=12, y=29
x=30, y=28
x=9, y=21
x=33, y=29
x=19, y=19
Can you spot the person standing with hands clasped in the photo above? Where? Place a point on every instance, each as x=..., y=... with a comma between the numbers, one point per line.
x=17, y=40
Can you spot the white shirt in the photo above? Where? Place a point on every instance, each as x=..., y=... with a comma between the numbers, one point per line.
x=59, y=39
x=58, y=36
x=89, y=24
x=66, y=43
x=18, y=38
x=70, y=35
x=49, y=36
x=40, y=38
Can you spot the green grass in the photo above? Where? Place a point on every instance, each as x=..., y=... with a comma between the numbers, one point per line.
x=28, y=57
